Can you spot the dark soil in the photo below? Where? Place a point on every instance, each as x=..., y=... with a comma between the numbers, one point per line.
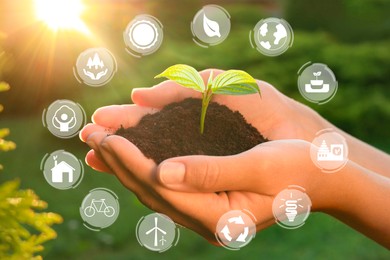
x=174, y=131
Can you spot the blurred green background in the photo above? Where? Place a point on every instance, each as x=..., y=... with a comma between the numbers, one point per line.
x=352, y=37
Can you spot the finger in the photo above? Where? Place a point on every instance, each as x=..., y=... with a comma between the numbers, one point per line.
x=129, y=155
x=211, y=173
x=161, y=95
x=167, y=92
x=92, y=128
x=96, y=163
x=130, y=165
x=113, y=117
x=94, y=140
x=135, y=171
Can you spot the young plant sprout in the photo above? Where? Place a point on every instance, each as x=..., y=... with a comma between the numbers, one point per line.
x=317, y=74
x=231, y=82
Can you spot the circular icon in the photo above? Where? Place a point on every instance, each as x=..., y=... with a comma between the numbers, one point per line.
x=210, y=26
x=329, y=151
x=143, y=35
x=62, y=170
x=317, y=83
x=157, y=232
x=291, y=207
x=99, y=209
x=95, y=67
x=64, y=118
x=272, y=36
x=235, y=229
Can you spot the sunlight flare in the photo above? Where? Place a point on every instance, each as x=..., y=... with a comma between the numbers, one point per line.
x=61, y=14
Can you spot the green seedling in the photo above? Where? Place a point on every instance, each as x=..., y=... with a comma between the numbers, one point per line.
x=231, y=82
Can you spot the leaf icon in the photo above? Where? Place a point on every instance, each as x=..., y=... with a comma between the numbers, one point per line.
x=316, y=74
x=210, y=27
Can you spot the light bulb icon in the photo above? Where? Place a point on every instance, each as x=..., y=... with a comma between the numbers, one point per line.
x=291, y=207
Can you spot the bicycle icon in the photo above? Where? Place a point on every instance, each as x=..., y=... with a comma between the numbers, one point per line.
x=99, y=206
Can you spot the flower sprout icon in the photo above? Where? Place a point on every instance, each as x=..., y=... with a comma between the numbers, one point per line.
x=97, y=65
x=316, y=85
x=64, y=119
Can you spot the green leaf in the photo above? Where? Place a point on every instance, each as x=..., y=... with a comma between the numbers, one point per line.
x=235, y=82
x=210, y=81
x=184, y=75
x=238, y=89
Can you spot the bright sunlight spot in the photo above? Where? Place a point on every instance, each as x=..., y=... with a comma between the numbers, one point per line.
x=61, y=14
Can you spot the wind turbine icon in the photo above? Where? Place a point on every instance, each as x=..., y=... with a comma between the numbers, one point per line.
x=156, y=229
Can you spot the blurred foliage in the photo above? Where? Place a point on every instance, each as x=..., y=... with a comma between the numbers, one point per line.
x=5, y=145
x=361, y=69
x=348, y=20
x=350, y=36
x=22, y=228
x=4, y=132
x=360, y=61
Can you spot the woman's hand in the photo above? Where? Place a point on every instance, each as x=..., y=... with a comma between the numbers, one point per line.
x=196, y=190
x=248, y=180
x=275, y=115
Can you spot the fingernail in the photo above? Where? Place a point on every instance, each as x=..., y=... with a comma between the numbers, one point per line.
x=172, y=173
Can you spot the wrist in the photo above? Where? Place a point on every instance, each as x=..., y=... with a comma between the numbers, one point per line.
x=335, y=190
x=309, y=121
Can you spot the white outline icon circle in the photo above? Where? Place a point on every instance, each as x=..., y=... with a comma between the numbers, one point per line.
x=291, y=207
x=317, y=83
x=329, y=151
x=64, y=118
x=272, y=36
x=95, y=67
x=62, y=170
x=157, y=232
x=235, y=229
x=99, y=209
x=210, y=25
x=143, y=35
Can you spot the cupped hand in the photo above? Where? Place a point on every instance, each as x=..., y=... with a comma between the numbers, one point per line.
x=196, y=190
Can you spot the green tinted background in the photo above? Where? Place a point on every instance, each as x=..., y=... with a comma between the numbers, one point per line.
x=351, y=37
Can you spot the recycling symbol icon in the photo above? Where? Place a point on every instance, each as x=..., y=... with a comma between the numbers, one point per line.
x=238, y=221
x=235, y=229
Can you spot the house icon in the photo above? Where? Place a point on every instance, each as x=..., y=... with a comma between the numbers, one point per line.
x=61, y=169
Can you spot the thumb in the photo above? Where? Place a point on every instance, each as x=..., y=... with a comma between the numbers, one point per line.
x=209, y=173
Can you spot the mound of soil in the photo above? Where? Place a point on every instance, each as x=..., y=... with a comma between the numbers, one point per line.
x=174, y=131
